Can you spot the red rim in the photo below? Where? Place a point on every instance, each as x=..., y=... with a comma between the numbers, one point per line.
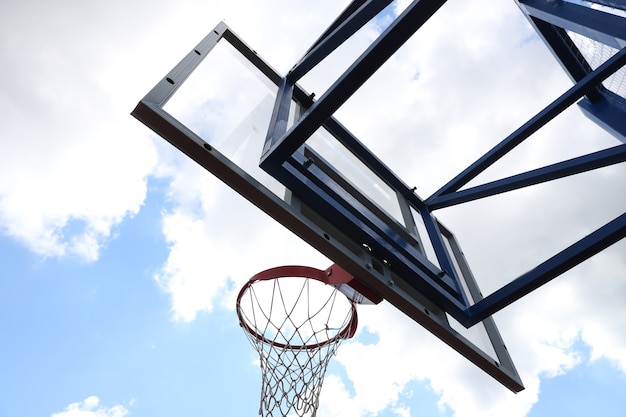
x=296, y=272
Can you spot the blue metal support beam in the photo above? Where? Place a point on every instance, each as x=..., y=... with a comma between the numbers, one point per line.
x=534, y=124
x=343, y=16
x=543, y=273
x=321, y=195
x=606, y=114
x=443, y=256
x=594, y=24
x=413, y=17
x=317, y=187
x=553, y=21
x=572, y=166
x=566, y=52
x=280, y=114
x=342, y=29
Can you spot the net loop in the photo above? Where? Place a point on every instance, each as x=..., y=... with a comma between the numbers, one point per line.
x=295, y=319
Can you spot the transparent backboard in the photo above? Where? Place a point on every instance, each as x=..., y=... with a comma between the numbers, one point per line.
x=216, y=106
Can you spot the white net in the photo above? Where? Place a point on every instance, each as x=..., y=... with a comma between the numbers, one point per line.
x=296, y=324
x=595, y=52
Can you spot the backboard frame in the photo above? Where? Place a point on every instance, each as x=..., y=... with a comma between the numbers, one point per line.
x=361, y=261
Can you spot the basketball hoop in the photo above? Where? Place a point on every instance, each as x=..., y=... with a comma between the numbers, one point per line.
x=295, y=317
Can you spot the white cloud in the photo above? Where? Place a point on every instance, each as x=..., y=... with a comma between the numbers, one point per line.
x=335, y=400
x=90, y=407
x=217, y=239
x=402, y=411
x=74, y=163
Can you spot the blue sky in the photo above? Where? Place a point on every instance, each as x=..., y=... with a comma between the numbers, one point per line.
x=120, y=258
x=76, y=329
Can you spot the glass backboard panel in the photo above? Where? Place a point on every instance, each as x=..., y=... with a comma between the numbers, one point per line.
x=428, y=250
x=228, y=102
x=216, y=105
x=596, y=53
x=355, y=172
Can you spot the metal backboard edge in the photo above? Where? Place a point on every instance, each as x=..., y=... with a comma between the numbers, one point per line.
x=301, y=220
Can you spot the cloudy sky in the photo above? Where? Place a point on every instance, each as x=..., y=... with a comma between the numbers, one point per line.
x=120, y=257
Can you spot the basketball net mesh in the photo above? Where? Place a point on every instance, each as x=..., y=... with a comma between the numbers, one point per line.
x=596, y=53
x=296, y=326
